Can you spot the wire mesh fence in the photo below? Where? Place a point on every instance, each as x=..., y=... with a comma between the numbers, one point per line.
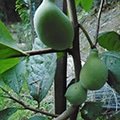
x=107, y=95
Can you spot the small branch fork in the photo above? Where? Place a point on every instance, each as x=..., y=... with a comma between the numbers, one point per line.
x=97, y=29
x=27, y=106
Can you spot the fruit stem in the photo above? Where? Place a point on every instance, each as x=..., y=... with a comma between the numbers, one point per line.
x=98, y=21
x=87, y=36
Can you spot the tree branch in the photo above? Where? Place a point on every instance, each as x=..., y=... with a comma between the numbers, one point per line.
x=98, y=21
x=87, y=35
x=43, y=51
x=39, y=52
x=75, y=51
x=27, y=106
x=73, y=111
x=60, y=82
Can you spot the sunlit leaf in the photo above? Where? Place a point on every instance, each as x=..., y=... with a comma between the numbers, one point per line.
x=8, y=47
x=77, y=2
x=41, y=71
x=6, y=64
x=86, y=4
x=79, y=116
x=110, y=41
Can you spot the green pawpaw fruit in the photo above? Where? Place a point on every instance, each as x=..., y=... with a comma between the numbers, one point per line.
x=52, y=26
x=94, y=73
x=76, y=94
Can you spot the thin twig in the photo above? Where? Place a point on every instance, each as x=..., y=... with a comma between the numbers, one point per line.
x=98, y=21
x=27, y=106
x=87, y=35
x=39, y=52
x=43, y=51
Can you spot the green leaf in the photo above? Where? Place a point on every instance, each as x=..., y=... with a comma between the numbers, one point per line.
x=110, y=41
x=112, y=61
x=15, y=76
x=38, y=117
x=22, y=10
x=77, y=2
x=6, y=64
x=116, y=116
x=41, y=71
x=91, y=110
x=6, y=113
x=8, y=47
x=60, y=55
x=79, y=116
x=86, y=4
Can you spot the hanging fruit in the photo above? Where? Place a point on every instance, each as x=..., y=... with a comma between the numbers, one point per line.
x=52, y=26
x=94, y=73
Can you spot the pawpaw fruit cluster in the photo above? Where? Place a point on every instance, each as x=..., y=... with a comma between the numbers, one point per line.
x=52, y=26
x=93, y=76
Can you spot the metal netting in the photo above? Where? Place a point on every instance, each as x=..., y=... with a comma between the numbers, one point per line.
x=107, y=95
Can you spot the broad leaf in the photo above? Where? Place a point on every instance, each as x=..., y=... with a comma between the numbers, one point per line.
x=8, y=47
x=116, y=116
x=110, y=41
x=6, y=113
x=112, y=61
x=79, y=116
x=91, y=110
x=86, y=4
x=41, y=71
x=38, y=117
x=77, y=2
x=6, y=64
x=14, y=77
